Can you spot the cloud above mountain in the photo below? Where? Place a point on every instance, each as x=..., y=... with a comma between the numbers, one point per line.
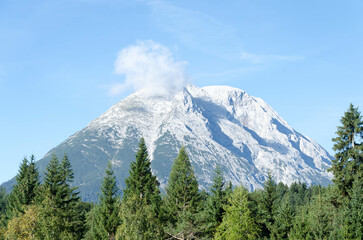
x=149, y=66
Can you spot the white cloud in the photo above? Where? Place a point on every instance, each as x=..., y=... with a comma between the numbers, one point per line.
x=150, y=66
x=257, y=59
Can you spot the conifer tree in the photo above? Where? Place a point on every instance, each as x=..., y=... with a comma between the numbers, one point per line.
x=60, y=215
x=320, y=217
x=283, y=220
x=3, y=205
x=103, y=220
x=237, y=222
x=141, y=181
x=349, y=150
x=182, y=199
x=214, y=209
x=141, y=216
x=268, y=206
x=25, y=190
x=301, y=228
x=353, y=212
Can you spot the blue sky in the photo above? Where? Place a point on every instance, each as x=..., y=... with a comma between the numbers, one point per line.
x=57, y=61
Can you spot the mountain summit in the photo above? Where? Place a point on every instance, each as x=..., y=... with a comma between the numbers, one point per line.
x=216, y=124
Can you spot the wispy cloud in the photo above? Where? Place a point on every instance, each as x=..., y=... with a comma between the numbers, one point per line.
x=194, y=29
x=150, y=66
x=260, y=58
x=207, y=34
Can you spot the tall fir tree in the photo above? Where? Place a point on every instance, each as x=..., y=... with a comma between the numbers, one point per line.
x=349, y=150
x=353, y=211
x=25, y=190
x=283, y=220
x=182, y=199
x=141, y=204
x=141, y=181
x=301, y=228
x=319, y=218
x=60, y=215
x=213, y=211
x=267, y=206
x=103, y=220
x=238, y=222
x=3, y=206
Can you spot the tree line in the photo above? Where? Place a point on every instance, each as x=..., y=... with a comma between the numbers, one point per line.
x=53, y=209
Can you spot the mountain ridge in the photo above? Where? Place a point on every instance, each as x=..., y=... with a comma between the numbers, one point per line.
x=218, y=125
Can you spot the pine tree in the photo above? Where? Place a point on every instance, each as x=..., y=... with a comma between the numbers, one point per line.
x=301, y=229
x=320, y=217
x=214, y=209
x=33, y=182
x=141, y=181
x=349, y=150
x=182, y=198
x=3, y=206
x=103, y=220
x=353, y=212
x=283, y=220
x=141, y=216
x=60, y=215
x=268, y=206
x=237, y=222
x=25, y=190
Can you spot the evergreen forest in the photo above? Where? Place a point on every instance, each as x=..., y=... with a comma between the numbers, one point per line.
x=50, y=208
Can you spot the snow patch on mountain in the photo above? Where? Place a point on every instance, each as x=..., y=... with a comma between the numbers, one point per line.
x=218, y=125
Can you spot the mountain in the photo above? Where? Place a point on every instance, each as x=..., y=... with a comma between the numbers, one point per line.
x=217, y=125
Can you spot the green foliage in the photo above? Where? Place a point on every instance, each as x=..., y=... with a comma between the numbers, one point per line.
x=353, y=212
x=301, y=229
x=138, y=220
x=213, y=211
x=349, y=150
x=267, y=206
x=320, y=217
x=25, y=191
x=182, y=199
x=141, y=215
x=25, y=226
x=277, y=211
x=141, y=180
x=237, y=222
x=3, y=203
x=283, y=220
x=60, y=216
x=103, y=220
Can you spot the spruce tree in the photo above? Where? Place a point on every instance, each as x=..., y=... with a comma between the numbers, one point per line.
x=301, y=228
x=268, y=206
x=25, y=190
x=141, y=215
x=349, y=150
x=283, y=220
x=182, y=199
x=60, y=215
x=353, y=212
x=3, y=205
x=238, y=222
x=213, y=212
x=321, y=215
x=103, y=220
x=141, y=181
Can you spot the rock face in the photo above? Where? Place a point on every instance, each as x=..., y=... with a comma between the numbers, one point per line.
x=217, y=125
